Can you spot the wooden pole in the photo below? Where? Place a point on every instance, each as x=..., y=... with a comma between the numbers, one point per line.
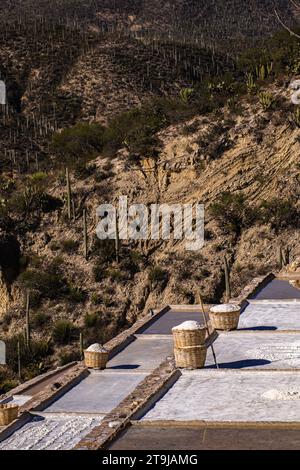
x=27, y=320
x=207, y=328
x=19, y=361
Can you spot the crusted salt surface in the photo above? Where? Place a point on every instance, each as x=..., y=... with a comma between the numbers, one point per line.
x=96, y=348
x=274, y=316
x=289, y=353
x=228, y=396
x=59, y=433
x=188, y=325
x=225, y=308
x=282, y=394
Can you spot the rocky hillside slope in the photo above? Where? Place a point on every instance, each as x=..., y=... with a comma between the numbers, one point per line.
x=156, y=120
x=254, y=153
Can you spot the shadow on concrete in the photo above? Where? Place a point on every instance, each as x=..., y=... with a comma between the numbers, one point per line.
x=126, y=366
x=259, y=328
x=241, y=364
x=38, y=418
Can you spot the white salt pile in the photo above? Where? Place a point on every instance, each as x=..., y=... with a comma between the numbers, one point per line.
x=281, y=395
x=188, y=325
x=96, y=348
x=225, y=308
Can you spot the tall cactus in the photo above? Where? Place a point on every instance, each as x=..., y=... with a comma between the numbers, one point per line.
x=19, y=361
x=117, y=239
x=269, y=68
x=284, y=261
x=85, y=238
x=287, y=255
x=81, y=345
x=280, y=257
x=69, y=195
x=227, y=280
x=261, y=72
x=250, y=83
x=27, y=319
x=73, y=210
x=284, y=256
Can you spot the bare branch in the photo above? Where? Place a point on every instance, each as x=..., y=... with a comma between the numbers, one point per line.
x=285, y=26
x=296, y=5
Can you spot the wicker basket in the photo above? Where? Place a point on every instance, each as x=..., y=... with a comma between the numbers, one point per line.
x=8, y=413
x=190, y=358
x=186, y=338
x=225, y=320
x=95, y=360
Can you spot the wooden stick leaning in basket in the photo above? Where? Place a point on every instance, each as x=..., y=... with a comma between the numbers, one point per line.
x=207, y=328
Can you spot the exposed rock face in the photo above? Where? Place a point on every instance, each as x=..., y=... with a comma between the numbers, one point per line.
x=294, y=267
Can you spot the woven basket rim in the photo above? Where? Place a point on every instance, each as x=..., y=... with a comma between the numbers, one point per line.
x=95, y=352
x=186, y=329
x=236, y=309
x=233, y=312
x=8, y=406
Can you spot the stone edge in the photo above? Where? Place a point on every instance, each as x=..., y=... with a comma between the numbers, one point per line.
x=45, y=397
x=135, y=404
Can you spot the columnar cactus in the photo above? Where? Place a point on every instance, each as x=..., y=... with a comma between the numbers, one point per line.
x=227, y=280
x=85, y=238
x=27, y=320
x=68, y=184
x=19, y=361
x=117, y=240
x=81, y=345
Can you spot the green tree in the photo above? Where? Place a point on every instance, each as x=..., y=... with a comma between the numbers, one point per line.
x=232, y=212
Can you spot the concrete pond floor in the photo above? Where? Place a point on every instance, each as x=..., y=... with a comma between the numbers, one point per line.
x=194, y=437
x=100, y=392
x=233, y=396
x=277, y=289
x=144, y=354
x=271, y=316
x=97, y=394
x=256, y=350
x=173, y=317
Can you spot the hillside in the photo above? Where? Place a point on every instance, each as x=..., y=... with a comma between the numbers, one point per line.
x=129, y=109
x=192, y=20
